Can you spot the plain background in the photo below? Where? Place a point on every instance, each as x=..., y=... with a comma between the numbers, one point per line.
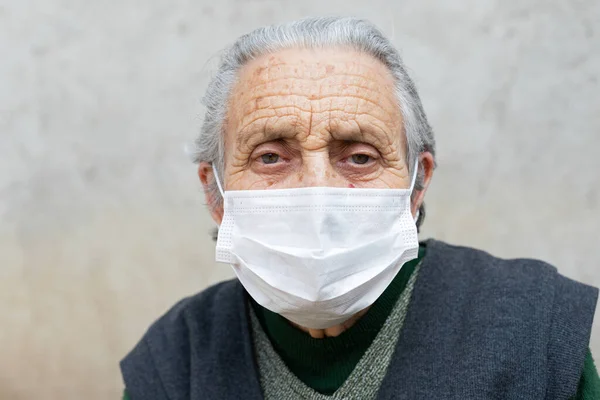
x=102, y=218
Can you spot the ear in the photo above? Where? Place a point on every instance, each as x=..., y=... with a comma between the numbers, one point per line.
x=427, y=165
x=207, y=177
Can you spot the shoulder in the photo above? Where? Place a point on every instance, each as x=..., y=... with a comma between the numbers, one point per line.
x=200, y=312
x=477, y=268
x=475, y=261
x=504, y=299
x=534, y=284
x=162, y=360
x=201, y=315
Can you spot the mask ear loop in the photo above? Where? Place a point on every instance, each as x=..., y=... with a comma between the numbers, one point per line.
x=414, y=175
x=412, y=186
x=217, y=179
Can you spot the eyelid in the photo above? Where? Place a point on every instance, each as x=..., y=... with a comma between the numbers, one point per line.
x=362, y=148
x=373, y=154
x=275, y=147
x=267, y=151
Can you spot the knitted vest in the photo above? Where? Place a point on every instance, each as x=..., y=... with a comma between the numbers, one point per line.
x=279, y=383
x=478, y=327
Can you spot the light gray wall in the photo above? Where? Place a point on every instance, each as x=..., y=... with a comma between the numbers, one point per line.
x=102, y=223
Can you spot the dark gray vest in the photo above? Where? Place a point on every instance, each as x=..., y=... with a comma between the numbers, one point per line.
x=478, y=327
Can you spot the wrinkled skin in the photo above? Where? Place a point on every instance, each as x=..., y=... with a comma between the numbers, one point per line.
x=301, y=118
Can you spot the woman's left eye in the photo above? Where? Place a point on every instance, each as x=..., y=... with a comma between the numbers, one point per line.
x=360, y=158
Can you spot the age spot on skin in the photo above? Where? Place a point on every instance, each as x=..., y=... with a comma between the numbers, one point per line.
x=257, y=101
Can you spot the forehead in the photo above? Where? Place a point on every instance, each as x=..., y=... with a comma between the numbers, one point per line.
x=331, y=85
x=313, y=64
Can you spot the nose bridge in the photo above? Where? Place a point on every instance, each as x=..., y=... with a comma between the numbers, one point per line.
x=317, y=170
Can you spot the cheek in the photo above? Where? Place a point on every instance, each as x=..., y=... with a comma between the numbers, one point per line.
x=244, y=179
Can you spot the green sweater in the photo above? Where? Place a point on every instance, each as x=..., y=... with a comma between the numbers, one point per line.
x=325, y=364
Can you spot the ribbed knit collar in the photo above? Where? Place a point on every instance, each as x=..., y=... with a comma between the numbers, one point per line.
x=324, y=364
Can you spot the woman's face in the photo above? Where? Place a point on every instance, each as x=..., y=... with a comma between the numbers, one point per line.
x=300, y=118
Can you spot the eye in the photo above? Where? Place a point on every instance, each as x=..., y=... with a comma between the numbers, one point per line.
x=360, y=158
x=270, y=158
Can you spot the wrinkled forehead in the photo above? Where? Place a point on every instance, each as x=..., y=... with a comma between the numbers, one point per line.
x=322, y=88
x=313, y=65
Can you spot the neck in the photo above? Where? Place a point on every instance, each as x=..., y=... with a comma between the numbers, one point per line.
x=333, y=331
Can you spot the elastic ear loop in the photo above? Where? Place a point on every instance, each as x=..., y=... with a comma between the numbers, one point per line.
x=412, y=186
x=217, y=179
x=414, y=175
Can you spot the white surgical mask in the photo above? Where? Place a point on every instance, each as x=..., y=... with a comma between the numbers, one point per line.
x=317, y=255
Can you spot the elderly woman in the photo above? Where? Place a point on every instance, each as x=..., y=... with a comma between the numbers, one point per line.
x=315, y=155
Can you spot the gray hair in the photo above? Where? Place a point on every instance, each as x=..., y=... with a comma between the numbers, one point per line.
x=311, y=33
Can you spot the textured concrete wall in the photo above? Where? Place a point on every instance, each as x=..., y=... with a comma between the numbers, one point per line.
x=102, y=223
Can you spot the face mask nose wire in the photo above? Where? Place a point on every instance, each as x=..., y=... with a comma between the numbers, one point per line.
x=217, y=179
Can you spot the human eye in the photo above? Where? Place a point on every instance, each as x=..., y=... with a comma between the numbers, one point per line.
x=269, y=158
x=273, y=159
x=360, y=158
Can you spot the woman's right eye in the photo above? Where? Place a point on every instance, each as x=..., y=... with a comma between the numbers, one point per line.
x=270, y=158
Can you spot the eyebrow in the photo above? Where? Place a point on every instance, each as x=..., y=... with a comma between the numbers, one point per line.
x=369, y=133
x=353, y=135
x=264, y=132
